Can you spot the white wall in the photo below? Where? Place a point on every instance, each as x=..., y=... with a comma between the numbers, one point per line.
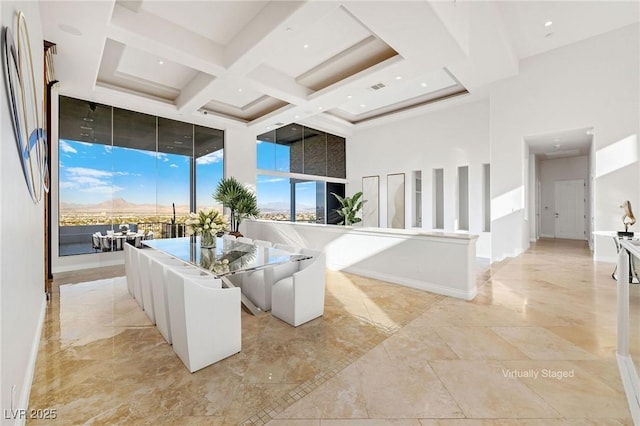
x=453, y=137
x=554, y=170
x=590, y=83
x=22, y=273
x=406, y=257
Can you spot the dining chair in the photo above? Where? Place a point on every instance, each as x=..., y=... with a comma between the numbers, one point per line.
x=205, y=319
x=133, y=275
x=105, y=243
x=257, y=285
x=145, y=256
x=299, y=298
x=95, y=241
x=157, y=271
x=130, y=272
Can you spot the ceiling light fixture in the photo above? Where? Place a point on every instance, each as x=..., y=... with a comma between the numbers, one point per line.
x=349, y=96
x=306, y=46
x=161, y=62
x=398, y=77
x=319, y=107
x=362, y=105
x=297, y=116
x=240, y=90
x=548, y=23
x=423, y=84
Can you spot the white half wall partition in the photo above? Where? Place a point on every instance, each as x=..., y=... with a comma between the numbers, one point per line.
x=406, y=257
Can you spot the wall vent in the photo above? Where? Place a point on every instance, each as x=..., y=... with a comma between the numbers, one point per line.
x=378, y=86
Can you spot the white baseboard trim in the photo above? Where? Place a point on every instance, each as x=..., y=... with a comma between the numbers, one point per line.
x=31, y=366
x=408, y=282
x=547, y=236
x=629, y=376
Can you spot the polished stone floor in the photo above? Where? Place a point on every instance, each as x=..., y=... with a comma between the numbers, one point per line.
x=536, y=347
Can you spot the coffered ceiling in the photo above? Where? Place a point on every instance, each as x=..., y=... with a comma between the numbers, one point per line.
x=333, y=64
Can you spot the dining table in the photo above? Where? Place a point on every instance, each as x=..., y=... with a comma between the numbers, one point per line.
x=228, y=257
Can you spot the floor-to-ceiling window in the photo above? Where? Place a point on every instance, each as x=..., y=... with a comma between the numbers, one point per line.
x=119, y=167
x=298, y=168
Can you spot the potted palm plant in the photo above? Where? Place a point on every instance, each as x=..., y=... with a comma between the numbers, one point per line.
x=239, y=199
x=350, y=208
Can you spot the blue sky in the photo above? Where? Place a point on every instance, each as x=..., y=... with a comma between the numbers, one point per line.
x=94, y=173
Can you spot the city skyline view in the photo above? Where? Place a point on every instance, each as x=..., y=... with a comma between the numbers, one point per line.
x=96, y=175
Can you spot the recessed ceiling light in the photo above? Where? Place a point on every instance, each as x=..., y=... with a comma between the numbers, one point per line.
x=297, y=116
x=349, y=96
x=362, y=105
x=306, y=46
x=548, y=23
x=319, y=107
x=557, y=146
x=398, y=77
x=590, y=132
x=268, y=127
x=161, y=62
x=423, y=84
x=240, y=90
x=70, y=30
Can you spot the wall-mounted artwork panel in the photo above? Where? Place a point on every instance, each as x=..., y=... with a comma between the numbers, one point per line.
x=395, y=200
x=371, y=193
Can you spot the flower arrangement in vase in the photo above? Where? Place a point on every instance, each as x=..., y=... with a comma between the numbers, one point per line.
x=208, y=224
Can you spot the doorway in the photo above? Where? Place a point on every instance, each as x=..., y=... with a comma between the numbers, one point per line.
x=559, y=184
x=570, y=209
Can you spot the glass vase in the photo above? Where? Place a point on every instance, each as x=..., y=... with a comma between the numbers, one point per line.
x=208, y=240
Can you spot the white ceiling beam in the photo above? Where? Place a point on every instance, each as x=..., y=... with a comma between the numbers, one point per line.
x=279, y=85
x=412, y=21
x=491, y=56
x=266, y=33
x=196, y=93
x=149, y=33
x=92, y=20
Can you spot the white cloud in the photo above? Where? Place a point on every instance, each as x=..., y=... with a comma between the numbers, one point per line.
x=84, y=179
x=271, y=180
x=174, y=166
x=65, y=147
x=211, y=158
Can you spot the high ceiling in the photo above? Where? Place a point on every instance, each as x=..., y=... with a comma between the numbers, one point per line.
x=332, y=64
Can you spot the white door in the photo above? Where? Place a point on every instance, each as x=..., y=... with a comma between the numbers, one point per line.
x=569, y=214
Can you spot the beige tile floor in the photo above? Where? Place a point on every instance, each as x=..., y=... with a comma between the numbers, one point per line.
x=381, y=355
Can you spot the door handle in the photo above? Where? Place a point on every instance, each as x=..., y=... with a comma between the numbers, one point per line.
x=557, y=214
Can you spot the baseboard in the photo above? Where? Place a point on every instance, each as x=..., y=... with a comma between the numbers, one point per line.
x=629, y=376
x=31, y=366
x=408, y=282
